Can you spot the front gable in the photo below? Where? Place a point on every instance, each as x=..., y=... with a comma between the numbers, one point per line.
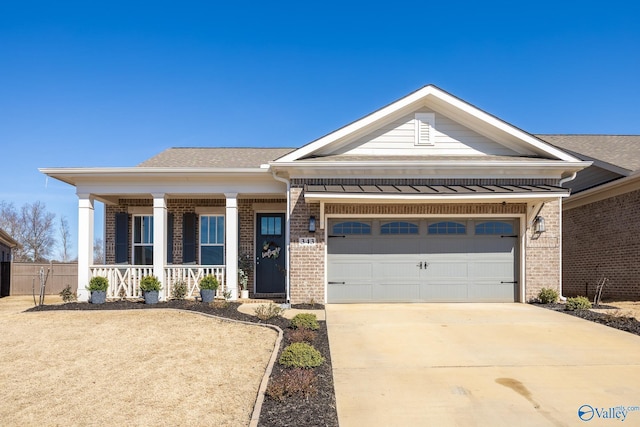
x=428, y=122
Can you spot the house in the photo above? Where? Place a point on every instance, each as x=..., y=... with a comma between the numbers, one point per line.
x=601, y=219
x=6, y=246
x=426, y=199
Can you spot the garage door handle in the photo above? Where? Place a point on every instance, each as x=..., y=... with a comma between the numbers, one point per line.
x=336, y=283
x=335, y=235
x=515, y=281
x=513, y=235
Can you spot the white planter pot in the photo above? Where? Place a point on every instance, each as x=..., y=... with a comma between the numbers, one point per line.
x=244, y=294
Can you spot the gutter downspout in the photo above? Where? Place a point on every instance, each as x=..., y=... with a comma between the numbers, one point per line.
x=562, y=181
x=287, y=234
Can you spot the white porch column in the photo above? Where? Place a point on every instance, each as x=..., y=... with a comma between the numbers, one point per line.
x=231, y=244
x=85, y=244
x=160, y=240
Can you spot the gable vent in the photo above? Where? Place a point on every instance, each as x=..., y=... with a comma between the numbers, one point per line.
x=424, y=128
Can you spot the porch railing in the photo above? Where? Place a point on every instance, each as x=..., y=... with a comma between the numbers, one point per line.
x=191, y=275
x=124, y=280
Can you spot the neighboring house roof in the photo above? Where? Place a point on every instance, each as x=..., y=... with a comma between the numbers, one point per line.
x=614, y=157
x=246, y=157
x=6, y=240
x=618, y=150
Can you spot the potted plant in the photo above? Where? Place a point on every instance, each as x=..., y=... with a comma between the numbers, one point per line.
x=208, y=286
x=98, y=287
x=245, y=264
x=150, y=286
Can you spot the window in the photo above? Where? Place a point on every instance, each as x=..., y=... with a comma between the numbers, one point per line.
x=399, y=227
x=447, y=227
x=212, y=240
x=494, y=227
x=271, y=226
x=143, y=240
x=352, y=227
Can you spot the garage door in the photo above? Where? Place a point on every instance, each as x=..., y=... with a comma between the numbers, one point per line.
x=441, y=260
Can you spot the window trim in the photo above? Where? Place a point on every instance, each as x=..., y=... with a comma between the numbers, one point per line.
x=141, y=244
x=447, y=233
x=410, y=227
x=350, y=232
x=202, y=245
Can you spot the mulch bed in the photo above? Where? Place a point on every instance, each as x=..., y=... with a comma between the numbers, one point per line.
x=628, y=324
x=318, y=410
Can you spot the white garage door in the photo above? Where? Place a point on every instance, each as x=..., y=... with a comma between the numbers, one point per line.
x=435, y=260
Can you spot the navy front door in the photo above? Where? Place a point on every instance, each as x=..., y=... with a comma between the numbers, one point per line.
x=270, y=253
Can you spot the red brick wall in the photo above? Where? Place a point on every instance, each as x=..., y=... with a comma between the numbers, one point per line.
x=603, y=239
x=542, y=256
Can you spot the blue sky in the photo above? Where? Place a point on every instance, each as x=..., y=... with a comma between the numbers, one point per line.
x=114, y=83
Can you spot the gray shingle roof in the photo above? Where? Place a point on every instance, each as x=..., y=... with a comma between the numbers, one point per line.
x=619, y=150
x=249, y=157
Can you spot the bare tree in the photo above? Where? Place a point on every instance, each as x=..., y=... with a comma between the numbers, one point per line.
x=98, y=251
x=37, y=233
x=65, y=239
x=11, y=223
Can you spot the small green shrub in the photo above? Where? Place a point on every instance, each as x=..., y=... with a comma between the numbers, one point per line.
x=300, y=355
x=577, y=303
x=150, y=283
x=209, y=282
x=67, y=295
x=98, y=283
x=548, y=296
x=179, y=290
x=305, y=321
x=301, y=335
x=294, y=382
x=266, y=312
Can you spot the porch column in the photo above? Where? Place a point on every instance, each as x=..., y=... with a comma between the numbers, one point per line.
x=160, y=240
x=231, y=244
x=85, y=244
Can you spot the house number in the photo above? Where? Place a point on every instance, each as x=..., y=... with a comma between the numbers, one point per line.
x=307, y=241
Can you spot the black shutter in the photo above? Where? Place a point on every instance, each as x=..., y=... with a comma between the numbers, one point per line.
x=169, y=238
x=122, y=238
x=189, y=238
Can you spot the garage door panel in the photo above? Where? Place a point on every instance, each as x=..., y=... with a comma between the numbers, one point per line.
x=459, y=268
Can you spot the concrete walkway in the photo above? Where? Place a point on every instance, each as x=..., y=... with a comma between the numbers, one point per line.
x=479, y=365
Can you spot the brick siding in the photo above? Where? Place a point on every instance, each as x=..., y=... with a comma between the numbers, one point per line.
x=602, y=239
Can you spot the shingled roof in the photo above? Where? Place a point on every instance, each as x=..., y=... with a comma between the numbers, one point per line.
x=247, y=157
x=619, y=150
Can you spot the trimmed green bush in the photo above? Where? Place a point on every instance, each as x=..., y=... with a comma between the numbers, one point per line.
x=98, y=283
x=209, y=282
x=577, y=303
x=301, y=355
x=305, y=321
x=150, y=283
x=548, y=296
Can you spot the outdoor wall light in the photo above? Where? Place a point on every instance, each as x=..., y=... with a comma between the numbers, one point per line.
x=538, y=225
x=312, y=224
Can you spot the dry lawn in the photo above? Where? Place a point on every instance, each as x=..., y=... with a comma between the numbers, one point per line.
x=624, y=308
x=151, y=368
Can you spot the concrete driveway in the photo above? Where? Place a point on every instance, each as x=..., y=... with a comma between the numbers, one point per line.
x=479, y=365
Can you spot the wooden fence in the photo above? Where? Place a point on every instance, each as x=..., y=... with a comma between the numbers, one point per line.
x=26, y=275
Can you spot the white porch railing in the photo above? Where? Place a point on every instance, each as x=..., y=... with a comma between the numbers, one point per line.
x=124, y=280
x=191, y=275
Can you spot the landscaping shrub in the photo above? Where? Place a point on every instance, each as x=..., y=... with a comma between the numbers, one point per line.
x=301, y=335
x=548, y=296
x=67, y=295
x=305, y=321
x=577, y=303
x=98, y=283
x=294, y=382
x=301, y=355
x=266, y=312
x=179, y=290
